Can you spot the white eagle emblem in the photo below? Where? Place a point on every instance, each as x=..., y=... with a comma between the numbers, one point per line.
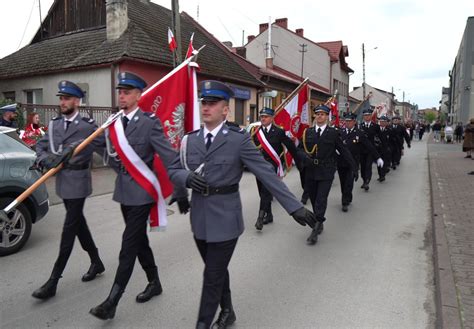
x=175, y=129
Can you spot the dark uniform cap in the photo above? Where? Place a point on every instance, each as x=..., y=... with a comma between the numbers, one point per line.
x=267, y=111
x=214, y=91
x=396, y=117
x=321, y=108
x=350, y=116
x=367, y=112
x=127, y=80
x=8, y=108
x=384, y=118
x=68, y=88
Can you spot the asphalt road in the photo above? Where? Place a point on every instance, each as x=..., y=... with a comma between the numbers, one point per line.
x=370, y=269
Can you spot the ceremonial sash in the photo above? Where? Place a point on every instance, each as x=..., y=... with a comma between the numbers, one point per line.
x=270, y=151
x=141, y=173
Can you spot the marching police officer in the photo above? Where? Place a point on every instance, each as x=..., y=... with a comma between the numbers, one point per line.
x=319, y=144
x=366, y=158
x=273, y=138
x=211, y=164
x=399, y=133
x=145, y=136
x=383, y=144
x=73, y=182
x=356, y=141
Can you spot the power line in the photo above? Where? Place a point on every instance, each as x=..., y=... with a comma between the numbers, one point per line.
x=24, y=31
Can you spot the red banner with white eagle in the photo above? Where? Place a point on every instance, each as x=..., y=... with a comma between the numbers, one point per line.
x=173, y=99
x=293, y=115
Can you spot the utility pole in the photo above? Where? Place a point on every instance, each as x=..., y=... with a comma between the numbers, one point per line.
x=243, y=36
x=41, y=20
x=302, y=51
x=363, y=71
x=177, y=29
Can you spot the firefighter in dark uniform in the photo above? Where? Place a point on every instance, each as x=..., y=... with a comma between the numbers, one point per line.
x=73, y=182
x=211, y=163
x=276, y=138
x=366, y=158
x=400, y=134
x=318, y=147
x=146, y=138
x=357, y=142
x=383, y=144
x=8, y=116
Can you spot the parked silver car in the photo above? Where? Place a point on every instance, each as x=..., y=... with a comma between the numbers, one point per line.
x=16, y=159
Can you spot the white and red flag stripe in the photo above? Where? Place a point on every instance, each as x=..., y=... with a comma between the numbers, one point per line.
x=270, y=151
x=140, y=172
x=189, y=53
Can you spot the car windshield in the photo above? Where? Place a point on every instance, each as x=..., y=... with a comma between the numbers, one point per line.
x=10, y=141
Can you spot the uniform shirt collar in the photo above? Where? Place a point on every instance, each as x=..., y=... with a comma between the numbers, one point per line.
x=267, y=127
x=131, y=114
x=322, y=128
x=213, y=131
x=71, y=119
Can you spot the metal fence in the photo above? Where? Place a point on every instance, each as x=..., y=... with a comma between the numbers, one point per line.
x=47, y=112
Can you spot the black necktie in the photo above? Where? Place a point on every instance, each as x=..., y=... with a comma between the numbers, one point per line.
x=125, y=122
x=265, y=129
x=68, y=123
x=319, y=132
x=209, y=140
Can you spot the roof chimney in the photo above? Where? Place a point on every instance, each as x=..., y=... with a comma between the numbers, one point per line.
x=241, y=51
x=250, y=38
x=263, y=27
x=300, y=32
x=117, y=18
x=282, y=22
x=228, y=44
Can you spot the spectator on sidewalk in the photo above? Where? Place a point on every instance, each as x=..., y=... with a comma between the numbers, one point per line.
x=458, y=131
x=468, y=144
x=33, y=130
x=436, y=131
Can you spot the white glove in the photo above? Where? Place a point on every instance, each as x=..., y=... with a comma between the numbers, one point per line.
x=379, y=162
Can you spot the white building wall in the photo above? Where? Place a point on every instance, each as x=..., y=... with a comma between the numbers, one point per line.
x=287, y=55
x=96, y=82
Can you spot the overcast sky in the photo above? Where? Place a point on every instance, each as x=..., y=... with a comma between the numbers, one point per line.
x=416, y=40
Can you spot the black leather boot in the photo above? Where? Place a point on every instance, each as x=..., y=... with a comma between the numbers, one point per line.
x=225, y=319
x=259, y=223
x=268, y=218
x=47, y=290
x=317, y=230
x=106, y=310
x=152, y=289
x=94, y=270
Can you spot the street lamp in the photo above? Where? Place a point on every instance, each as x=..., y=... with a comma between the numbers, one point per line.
x=363, y=68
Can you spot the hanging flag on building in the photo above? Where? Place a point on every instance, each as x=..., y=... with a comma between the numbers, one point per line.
x=171, y=40
x=189, y=53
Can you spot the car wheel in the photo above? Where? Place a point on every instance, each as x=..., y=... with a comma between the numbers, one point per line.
x=15, y=229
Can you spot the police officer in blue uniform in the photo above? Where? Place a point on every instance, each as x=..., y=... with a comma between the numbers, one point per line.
x=211, y=164
x=8, y=118
x=276, y=138
x=73, y=182
x=319, y=145
x=145, y=136
x=357, y=142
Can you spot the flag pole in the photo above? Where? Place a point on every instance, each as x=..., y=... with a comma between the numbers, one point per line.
x=53, y=171
x=363, y=101
x=177, y=68
x=290, y=96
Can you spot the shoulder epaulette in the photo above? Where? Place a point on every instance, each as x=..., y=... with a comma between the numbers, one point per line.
x=193, y=132
x=88, y=120
x=151, y=115
x=56, y=118
x=237, y=129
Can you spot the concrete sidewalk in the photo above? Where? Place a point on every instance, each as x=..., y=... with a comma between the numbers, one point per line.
x=452, y=191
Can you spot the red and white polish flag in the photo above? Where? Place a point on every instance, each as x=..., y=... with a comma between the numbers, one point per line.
x=171, y=40
x=189, y=53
